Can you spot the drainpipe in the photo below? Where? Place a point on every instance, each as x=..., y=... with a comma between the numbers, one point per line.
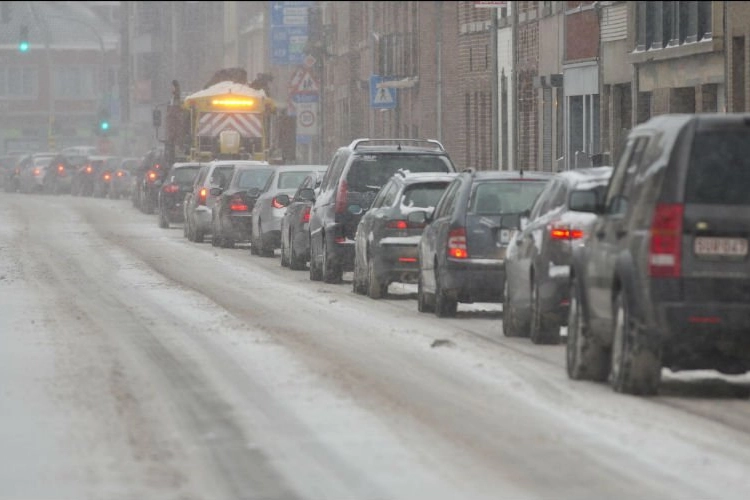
x=439, y=54
x=494, y=92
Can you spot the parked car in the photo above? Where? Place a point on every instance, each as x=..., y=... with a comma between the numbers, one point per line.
x=385, y=244
x=461, y=251
x=231, y=217
x=171, y=198
x=31, y=170
x=537, y=261
x=664, y=280
x=295, y=235
x=355, y=175
x=122, y=178
x=200, y=201
x=58, y=175
x=271, y=204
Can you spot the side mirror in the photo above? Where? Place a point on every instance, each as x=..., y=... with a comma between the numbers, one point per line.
x=215, y=191
x=306, y=194
x=283, y=200
x=583, y=201
x=418, y=218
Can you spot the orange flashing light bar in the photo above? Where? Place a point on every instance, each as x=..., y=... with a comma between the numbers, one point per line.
x=248, y=103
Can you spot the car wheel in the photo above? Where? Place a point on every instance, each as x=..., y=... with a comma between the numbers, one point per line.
x=284, y=252
x=163, y=222
x=541, y=331
x=510, y=320
x=375, y=287
x=296, y=262
x=423, y=305
x=266, y=250
x=446, y=304
x=315, y=272
x=331, y=272
x=198, y=235
x=636, y=366
x=585, y=358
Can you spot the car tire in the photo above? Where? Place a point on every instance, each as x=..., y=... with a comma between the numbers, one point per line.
x=511, y=328
x=375, y=287
x=585, y=358
x=635, y=366
x=296, y=262
x=423, y=305
x=284, y=253
x=541, y=332
x=266, y=250
x=446, y=305
x=331, y=272
x=163, y=222
x=315, y=271
x=198, y=235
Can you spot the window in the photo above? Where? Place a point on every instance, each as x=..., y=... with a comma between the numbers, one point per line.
x=445, y=206
x=718, y=169
x=19, y=82
x=74, y=82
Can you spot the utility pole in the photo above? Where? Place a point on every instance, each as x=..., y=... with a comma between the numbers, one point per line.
x=494, y=92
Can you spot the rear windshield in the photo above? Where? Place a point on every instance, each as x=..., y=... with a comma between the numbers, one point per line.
x=719, y=172
x=255, y=178
x=185, y=175
x=504, y=197
x=291, y=180
x=423, y=195
x=373, y=171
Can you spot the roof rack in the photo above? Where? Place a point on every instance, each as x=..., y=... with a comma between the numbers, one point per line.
x=397, y=142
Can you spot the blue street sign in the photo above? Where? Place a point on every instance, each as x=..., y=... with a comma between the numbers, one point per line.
x=288, y=31
x=305, y=97
x=381, y=98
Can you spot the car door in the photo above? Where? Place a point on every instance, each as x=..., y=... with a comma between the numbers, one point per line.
x=435, y=234
x=608, y=237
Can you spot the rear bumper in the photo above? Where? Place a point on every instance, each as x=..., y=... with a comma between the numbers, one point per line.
x=474, y=280
x=398, y=262
x=239, y=227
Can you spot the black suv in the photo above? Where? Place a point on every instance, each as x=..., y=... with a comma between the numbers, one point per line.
x=664, y=280
x=462, y=250
x=355, y=175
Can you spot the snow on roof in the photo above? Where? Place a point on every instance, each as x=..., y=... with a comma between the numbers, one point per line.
x=224, y=88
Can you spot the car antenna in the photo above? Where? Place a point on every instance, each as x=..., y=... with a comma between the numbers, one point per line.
x=521, y=171
x=399, y=146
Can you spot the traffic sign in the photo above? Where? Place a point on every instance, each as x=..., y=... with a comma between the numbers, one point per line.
x=289, y=31
x=381, y=98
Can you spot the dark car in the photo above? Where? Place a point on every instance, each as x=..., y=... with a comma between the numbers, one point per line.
x=85, y=177
x=664, y=280
x=355, y=175
x=271, y=205
x=462, y=250
x=231, y=216
x=295, y=235
x=147, y=181
x=537, y=262
x=58, y=176
x=122, y=178
x=386, y=241
x=106, y=166
x=171, y=196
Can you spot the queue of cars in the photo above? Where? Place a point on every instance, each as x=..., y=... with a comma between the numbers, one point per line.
x=644, y=263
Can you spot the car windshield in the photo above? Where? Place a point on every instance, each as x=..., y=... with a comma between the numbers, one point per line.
x=373, y=170
x=719, y=166
x=254, y=178
x=185, y=175
x=504, y=197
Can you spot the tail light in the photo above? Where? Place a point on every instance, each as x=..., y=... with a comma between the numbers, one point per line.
x=107, y=176
x=665, y=249
x=397, y=224
x=564, y=232
x=151, y=176
x=119, y=174
x=306, y=215
x=275, y=203
x=89, y=169
x=37, y=172
x=341, y=196
x=61, y=168
x=157, y=166
x=202, y=195
x=237, y=204
x=171, y=188
x=457, y=243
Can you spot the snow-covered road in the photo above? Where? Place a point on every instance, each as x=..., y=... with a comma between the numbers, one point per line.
x=137, y=365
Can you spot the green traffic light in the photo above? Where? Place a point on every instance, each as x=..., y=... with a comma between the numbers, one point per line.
x=104, y=125
x=23, y=46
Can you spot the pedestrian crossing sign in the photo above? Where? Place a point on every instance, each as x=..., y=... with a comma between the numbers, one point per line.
x=381, y=97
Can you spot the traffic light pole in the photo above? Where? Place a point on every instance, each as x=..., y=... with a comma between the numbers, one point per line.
x=50, y=94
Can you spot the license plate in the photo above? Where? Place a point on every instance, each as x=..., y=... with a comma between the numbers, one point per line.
x=720, y=247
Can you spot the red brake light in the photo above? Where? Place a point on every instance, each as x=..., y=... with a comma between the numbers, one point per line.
x=237, y=204
x=171, y=188
x=119, y=174
x=397, y=224
x=665, y=249
x=341, y=196
x=37, y=171
x=60, y=168
x=107, y=176
x=457, y=243
x=202, y=195
x=157, y=166
x=565, y=233
x=306, y=215
x=88, y=169
x=151, y=175
x=275, y=203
